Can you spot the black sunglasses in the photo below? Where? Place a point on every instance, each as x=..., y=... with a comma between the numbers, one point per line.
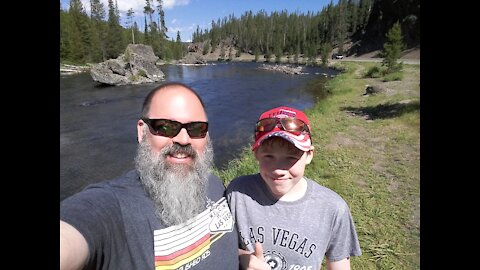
x=171, y=128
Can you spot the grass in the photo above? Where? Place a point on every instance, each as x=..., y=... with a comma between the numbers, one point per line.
x=367, y=149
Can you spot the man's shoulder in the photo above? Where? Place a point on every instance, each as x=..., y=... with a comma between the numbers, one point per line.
x=214, y=181
x=215, y=187
x=123, y=184
x=129, y=178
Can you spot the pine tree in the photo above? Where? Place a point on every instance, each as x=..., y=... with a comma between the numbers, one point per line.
x=148, y=11
x=97, y=16
x=130, y=13
x=206, y=48
x=137, y=33
x=146, y=39
x=81, y=34
x=161, y=20
x=64, y=36
x=114, y=42
x=178, y=45
x=393, y=48
x=179, y=39
x=325, y=50
x=341, y=24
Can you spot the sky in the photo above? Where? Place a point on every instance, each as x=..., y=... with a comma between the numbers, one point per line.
x=185, y=15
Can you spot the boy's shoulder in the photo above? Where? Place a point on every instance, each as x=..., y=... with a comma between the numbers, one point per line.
x=242, y=181
x=324, y=193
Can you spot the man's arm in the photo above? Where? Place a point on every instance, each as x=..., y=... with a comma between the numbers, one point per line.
x=339, y=265
x=73, y=248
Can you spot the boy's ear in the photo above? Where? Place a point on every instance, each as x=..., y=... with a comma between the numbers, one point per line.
x=255, y=153
x=310, y=154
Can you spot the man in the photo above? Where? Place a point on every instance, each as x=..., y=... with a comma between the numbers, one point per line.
x=168, y=213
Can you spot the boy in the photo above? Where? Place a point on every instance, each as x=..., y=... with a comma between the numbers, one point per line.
x=285, y=220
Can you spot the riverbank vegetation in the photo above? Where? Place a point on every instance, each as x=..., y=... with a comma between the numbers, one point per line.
x=367, y=149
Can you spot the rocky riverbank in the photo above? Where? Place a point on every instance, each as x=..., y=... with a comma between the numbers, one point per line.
x=66, y=69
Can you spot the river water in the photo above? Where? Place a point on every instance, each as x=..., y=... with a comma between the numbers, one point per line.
x=98, y=123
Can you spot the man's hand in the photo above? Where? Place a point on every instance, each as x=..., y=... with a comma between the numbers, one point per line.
x=253, y=260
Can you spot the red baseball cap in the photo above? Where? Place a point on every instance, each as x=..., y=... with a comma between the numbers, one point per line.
x=302, y=141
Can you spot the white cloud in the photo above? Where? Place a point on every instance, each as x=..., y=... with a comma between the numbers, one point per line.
x=192, y=27
x=124, y=5
x=171, y=3
x=136, y=5
x=175, y=29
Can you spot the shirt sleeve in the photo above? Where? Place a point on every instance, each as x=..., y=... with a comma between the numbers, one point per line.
x=344, y=241
x=95, y=213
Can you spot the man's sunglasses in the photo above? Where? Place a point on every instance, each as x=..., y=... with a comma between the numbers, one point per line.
x=171, y=128
x=290, y=124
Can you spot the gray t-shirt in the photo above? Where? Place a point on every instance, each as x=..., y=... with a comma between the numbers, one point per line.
x=294, y=235
x=118, y=221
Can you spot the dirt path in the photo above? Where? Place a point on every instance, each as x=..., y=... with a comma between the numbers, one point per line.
x=366, y=59
x=411, y=57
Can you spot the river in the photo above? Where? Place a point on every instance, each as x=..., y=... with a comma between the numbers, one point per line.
x=98, y=123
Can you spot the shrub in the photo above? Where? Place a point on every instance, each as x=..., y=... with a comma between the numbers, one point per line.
x=206, y=48
x=395, y=76
x=374, y=72
x=142, y=73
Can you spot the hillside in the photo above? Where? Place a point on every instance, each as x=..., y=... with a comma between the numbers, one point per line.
x=197, y=48
x=365, y=43
x=382, y=17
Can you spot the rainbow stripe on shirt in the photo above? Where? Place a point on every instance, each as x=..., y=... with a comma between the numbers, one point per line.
x=185, y=245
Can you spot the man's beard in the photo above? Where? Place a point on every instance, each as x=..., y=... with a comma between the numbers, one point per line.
x=178, y=190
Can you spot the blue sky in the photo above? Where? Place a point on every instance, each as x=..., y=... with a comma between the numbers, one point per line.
x=185, y=15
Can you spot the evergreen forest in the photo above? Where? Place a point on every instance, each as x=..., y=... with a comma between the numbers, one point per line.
x=98, y=36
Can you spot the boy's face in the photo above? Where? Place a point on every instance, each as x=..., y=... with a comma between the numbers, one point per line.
x=282, y=166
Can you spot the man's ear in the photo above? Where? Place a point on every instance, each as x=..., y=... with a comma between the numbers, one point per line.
x=140, y=130
x=310, y=154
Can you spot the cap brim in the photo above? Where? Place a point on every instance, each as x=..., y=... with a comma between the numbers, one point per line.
x=301, y=141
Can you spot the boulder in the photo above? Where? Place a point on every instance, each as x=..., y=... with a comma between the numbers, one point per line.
x=374, y=89
x=137, y=65
x=193, y=59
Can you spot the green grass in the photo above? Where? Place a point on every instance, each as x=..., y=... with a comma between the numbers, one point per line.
x=367, y=149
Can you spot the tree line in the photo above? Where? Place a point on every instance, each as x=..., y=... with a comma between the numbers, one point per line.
x=100, y=36
x=283, y=33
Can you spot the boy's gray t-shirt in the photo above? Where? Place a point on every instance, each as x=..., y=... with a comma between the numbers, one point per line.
x=294, y=235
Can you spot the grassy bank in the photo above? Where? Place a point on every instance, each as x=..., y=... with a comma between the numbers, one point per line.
x=367, y=149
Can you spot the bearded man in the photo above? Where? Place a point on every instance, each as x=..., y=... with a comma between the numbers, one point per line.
x=168, y=213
